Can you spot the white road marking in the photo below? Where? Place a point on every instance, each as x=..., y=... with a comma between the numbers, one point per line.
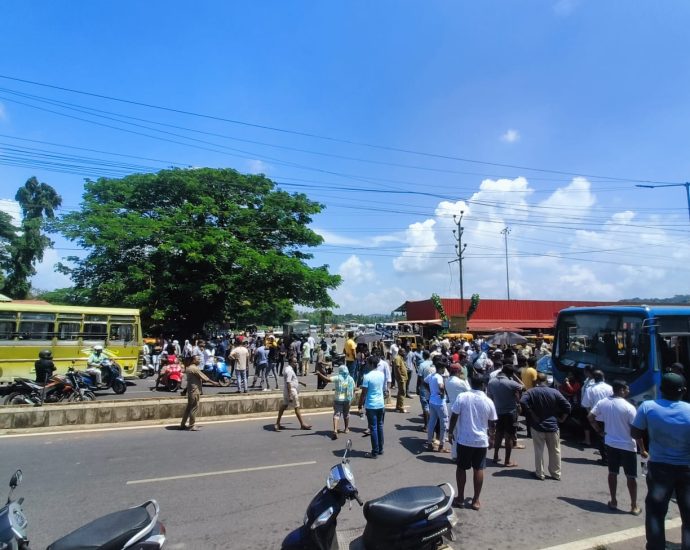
x=160, y=425
x=611, y=538
x=220, y=473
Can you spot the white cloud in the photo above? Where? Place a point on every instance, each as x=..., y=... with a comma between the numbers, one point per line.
x=353, y=270
x=334, y=239
x=12, y=208
x=255, y=166
x=46, y=277
x=511, y=136
x=421, y=241
x=564, y=8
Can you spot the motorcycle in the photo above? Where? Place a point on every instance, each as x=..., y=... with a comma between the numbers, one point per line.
x=111, y=375
x=58, y=389
x=218, y=373
x=412, y=518
x=134, y=528
x=171, y=377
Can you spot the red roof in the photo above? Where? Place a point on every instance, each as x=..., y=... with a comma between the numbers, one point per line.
x=495, y=315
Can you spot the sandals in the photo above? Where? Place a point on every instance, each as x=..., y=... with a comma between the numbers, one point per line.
x=636, y=511
x=444, y=450
x=475, y=505
x=458, y=502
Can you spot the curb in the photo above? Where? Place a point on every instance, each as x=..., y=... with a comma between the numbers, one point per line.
x=22, y=418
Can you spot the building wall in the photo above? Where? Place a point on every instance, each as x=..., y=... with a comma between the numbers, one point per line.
x=523, y=310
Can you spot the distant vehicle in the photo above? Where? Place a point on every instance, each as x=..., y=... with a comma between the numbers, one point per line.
x=299, y=327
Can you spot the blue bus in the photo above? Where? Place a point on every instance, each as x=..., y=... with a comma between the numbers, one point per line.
x=631, y=343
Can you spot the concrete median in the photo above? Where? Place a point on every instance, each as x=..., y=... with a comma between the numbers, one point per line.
x=22, y=417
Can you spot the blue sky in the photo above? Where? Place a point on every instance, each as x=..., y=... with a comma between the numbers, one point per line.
x=593, y=94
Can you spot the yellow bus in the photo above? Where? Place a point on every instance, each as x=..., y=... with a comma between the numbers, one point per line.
x=70, y=332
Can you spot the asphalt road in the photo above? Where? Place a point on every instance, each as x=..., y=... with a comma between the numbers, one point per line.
x=72, y=478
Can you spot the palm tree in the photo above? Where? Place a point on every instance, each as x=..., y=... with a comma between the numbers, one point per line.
x=38, y=202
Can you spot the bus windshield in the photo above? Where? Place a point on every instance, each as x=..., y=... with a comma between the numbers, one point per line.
x=611, y=342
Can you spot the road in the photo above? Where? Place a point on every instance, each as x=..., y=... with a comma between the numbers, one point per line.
x=269, y=478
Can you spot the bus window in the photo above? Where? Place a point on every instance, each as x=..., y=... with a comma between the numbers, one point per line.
x=95, y=331
x=122, y=332
x=36, y=326
x=610, y=342
x=68, y=331
x=6, y=330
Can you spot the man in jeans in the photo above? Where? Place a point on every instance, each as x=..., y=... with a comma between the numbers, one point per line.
x=544, y=408
x=667, y=422
x=438, y=412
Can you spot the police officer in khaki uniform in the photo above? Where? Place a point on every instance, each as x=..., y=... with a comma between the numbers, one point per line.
x=195, y=379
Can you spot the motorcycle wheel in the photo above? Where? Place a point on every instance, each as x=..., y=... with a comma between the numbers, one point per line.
x=119, y=387
x=224, y=381
x=18, y=398
x=85, y=395
x=172, y=385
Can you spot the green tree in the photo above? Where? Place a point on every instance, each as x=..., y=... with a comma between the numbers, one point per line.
x=8, y=233
x=38, y=202
x=195, y=246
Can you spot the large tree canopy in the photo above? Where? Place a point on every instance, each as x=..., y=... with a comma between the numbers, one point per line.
x=191, y=246
x=38, y=202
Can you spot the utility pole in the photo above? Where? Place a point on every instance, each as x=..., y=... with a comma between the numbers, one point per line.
x=686, y=185
x=505, y=234
x=460, y=250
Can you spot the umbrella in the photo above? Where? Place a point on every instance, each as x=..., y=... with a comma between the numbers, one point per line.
x=506, y=339
x=368, y=337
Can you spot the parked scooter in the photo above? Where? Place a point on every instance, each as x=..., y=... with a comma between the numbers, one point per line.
x=218, y=372
x=111, y=375
x=413, y=518
x=170, y=377
x=134, y=528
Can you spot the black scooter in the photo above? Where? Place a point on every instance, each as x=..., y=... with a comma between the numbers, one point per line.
x=413, y=518
x=135, y=528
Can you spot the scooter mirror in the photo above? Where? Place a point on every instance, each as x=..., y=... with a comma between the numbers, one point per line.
x=348, y=447
x=16, y=479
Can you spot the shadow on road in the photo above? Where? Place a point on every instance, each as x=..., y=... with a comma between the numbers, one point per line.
x=518, y=473
x=435, y=458
x=414, y=445
x=590, y=505
x=580, y=460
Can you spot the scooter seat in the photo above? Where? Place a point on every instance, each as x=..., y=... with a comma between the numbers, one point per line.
x=404, y=506
x=109, y=532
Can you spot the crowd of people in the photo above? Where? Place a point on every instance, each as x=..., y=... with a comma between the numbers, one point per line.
x=472, y=399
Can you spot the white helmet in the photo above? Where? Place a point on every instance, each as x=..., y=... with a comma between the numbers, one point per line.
x=98, y=348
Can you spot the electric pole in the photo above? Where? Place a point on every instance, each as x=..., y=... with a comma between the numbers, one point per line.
x=686, y=185
x=460, y=250
x=505, y=234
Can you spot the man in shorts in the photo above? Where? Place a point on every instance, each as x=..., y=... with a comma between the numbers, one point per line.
x=477, y=415
x=291, y=394
x=344, y=391
x=621, y=449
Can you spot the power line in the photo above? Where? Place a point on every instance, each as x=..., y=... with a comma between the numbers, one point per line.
x=328, y=138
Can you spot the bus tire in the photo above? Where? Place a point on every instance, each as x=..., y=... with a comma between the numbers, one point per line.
x=172, y=385
x=119, y=387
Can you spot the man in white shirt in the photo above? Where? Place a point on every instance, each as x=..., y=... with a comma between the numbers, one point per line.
x=621, y=449
x=438, y=412
x=477, y=415
x=592, y=393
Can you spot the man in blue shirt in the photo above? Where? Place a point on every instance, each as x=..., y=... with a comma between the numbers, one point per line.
x=372, y=399
x=667, y=421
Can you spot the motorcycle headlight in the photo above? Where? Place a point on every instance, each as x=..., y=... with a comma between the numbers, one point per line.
x=323, y=518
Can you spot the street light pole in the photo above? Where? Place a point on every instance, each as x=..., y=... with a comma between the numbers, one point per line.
x=686, y=185
x=505, y=234
x=460, y=249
